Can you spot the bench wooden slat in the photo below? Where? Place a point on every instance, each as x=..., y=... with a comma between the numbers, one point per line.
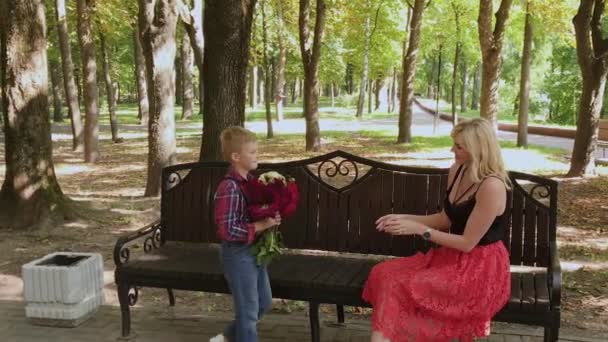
x=354, y=221
x=368, y=211
x=401, y=245
x=417, y=204
x=203, y=200
x=529, y=256
x=434, y=198
x=312, y=205
x=516, y=292
x=324, y=226
x=528, y=295
x=542, y=239
x=382, y=205
x=542, y=292
x=293, y=229
x=517, y=213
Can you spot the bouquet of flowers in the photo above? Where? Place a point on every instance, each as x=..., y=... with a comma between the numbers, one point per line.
x=267, y=195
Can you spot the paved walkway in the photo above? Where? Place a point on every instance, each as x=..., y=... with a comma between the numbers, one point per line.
x=177, y=324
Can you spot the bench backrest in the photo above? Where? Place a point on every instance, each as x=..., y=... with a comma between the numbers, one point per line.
x=341, y=196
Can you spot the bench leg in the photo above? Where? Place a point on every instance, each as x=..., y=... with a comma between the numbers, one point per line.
x=313, y=309
x=551, y=334
x=171, y=297
x=123, y=298
x=340, y=310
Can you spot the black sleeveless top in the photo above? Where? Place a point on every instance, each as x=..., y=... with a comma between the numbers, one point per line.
x=459, y=215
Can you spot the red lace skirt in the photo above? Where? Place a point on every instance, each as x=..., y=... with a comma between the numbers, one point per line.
x=442, y=295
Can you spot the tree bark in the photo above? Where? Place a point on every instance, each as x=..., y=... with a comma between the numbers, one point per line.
x=267, y=76
x=179, y=86
x=592, y=53
x=365, y=62
x=333, y=94
x=110, y=91
x=140, y=77
x=282, y=61
x=56, y=86
x=253, y=81
x=524, y=85
x=463, y=89
x=91, y=93
x=227, y=26
x=193, y=23
x=491, y=42
x=454, y=79
x=187, y=66
x=158, y=21
x=377, y=89
x=69, y=84
x=78, y=80
x=475, y=90
x=30, y=193
x=409, y=74
x=311, y=53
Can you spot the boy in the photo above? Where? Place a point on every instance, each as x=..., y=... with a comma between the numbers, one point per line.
x=248, y=282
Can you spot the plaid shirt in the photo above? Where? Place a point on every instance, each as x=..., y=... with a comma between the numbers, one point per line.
x=231, y=218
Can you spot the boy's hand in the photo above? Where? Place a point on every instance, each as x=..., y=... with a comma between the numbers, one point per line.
x=267, y=223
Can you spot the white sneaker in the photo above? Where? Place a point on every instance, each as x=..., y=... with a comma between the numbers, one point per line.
x=218, y=338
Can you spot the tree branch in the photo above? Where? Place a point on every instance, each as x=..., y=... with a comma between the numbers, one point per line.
x=501, y=19
x=600, y=45
x=319, y=25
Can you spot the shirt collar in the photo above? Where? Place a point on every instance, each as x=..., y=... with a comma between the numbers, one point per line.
x=233, y=174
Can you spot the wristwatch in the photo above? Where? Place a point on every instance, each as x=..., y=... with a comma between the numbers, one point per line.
x=427, y=234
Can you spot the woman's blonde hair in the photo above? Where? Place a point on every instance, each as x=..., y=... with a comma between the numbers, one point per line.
x=233, y=138
x=479, y=139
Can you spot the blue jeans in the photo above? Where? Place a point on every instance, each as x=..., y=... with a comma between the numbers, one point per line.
x=250, y=288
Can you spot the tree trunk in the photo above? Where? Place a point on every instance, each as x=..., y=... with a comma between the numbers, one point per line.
x=524, y=85
x=463, y=89
x=311, y=54
x=140, y=77
x=409, y=74
x=260, y=86
x=475, y=90
x=91, y=93
x=30, y=193
x=393, y=97
x=282, y=61
x=491, y=41
x=430, y=89
x=370, y=91
x=253, y=82
x=454, y=78
x=158, y=20
x=228, y=32
x=193, y=21
x=179, y=85
x=187, y=66
x=333, y=94
x=110, y=91
x=365, y=62
x=78, y=80
x=377, y=89
x=267, y=76
x=69, y=85
x=56, y=86
x=593, y=61
x=294, y=93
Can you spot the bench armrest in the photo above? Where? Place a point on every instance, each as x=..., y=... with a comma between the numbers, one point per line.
x=554, y=278
x=152, y=234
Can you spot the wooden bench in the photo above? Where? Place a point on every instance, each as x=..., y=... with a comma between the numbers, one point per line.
x=332, y=241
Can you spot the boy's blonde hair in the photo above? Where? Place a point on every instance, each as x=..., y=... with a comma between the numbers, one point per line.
x=233, y=138
x=479, y=139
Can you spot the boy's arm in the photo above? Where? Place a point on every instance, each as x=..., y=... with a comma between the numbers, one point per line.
x=229, y=214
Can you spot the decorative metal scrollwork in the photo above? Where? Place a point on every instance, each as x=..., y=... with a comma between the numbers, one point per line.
x=154, y=240
x=124, y=255
x=173, y=179
x=540, y=190
x=133, y=295
x=338, y=168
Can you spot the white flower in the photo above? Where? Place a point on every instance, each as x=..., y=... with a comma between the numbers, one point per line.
x=271, y=176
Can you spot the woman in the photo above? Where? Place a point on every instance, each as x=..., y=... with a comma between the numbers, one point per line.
x=453, y=291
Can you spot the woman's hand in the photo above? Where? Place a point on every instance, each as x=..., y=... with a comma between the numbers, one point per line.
x=396, y=225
